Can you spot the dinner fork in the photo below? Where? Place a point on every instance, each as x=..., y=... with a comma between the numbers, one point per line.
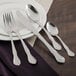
x=7, y=23
x=15, y=29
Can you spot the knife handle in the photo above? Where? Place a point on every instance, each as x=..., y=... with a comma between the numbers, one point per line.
x=57, y=56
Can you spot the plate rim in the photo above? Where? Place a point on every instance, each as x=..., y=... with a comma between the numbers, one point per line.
x=23, y=36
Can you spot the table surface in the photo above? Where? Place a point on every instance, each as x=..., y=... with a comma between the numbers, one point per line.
x=63, y=14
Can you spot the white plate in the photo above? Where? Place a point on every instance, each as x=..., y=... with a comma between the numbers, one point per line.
x=19, y=5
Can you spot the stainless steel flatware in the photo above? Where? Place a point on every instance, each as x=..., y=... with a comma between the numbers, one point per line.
x=53, y=30
x=34, y=15
x=31, y=58
x=57, y=56
x=13, y=28
x=7, y=23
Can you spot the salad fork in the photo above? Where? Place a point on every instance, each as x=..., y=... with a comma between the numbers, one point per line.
x=7, y=23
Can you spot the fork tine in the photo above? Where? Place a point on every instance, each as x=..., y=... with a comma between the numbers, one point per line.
x=5, y=18
x=12, y=17
x=9, y=16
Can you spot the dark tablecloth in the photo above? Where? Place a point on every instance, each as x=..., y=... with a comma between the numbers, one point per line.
x=25, y=69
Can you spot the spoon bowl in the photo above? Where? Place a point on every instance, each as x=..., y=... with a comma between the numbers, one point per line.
x=52, y=29
x=32, y=13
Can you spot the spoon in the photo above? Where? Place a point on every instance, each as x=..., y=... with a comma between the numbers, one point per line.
x=34, y=15
x=53, y=30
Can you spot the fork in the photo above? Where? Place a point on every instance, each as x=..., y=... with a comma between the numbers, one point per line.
x=7, y=23
x=31, y=58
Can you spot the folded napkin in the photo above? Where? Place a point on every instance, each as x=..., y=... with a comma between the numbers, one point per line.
x=7, y=68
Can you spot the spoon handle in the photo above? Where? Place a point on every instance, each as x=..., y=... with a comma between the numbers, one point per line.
x=16, y=59
x=69, y=52
x=57, y=56
x=31, y=58
x=55, y=44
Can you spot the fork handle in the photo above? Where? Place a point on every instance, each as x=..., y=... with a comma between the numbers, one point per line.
x=16, y=59
x=31, y=58
x=57, y=56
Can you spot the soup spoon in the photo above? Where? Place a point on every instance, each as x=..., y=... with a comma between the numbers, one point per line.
x=53, y=30
x=34, y=15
